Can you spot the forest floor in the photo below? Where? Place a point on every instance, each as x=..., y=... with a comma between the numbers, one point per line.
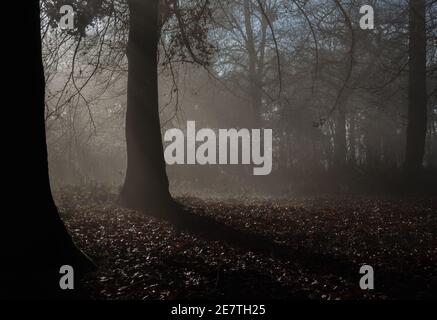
x=324, y=241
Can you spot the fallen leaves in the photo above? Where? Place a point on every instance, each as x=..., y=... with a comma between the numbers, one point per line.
x=140, y=257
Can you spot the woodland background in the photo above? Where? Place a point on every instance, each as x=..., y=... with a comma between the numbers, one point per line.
x=354, y=116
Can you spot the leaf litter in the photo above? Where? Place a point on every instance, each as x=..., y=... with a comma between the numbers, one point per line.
x=141, y=257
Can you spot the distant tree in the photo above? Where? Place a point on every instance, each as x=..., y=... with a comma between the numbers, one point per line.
x=417, y=93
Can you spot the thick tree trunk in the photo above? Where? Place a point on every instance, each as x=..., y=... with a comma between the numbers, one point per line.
x=146, y=183
x=417, y=99
x=36, y=241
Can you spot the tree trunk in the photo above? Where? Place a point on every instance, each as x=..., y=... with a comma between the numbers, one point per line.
x=36, y=242
x=340, y=139
x=417, y=99
x=352, y=140
x=255, y=85
x=146, y=183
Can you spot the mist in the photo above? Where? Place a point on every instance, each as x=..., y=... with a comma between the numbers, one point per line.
x=338, y=113
x=223, y=150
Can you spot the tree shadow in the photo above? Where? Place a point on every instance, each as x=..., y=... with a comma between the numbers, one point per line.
x=200, y=224
x=394, y=283
x=221, y=282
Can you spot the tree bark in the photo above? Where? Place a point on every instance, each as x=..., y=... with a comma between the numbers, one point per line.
x=146, y=182
x=417, y=99
x=36, y=241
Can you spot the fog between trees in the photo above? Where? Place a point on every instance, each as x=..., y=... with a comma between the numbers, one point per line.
x=336, y=96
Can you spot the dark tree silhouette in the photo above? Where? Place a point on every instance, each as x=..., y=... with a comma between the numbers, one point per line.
x=146, y=183
x=417, y=99
x=38, y=243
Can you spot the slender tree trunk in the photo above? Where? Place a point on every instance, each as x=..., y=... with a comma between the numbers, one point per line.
x=417, y=99
x=146, y=183
x=340, y=138
x=255, y=86
x=36, y=242
x=352, y=140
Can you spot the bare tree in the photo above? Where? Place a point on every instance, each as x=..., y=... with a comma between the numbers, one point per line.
x=417, y=93
x=146, y=183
